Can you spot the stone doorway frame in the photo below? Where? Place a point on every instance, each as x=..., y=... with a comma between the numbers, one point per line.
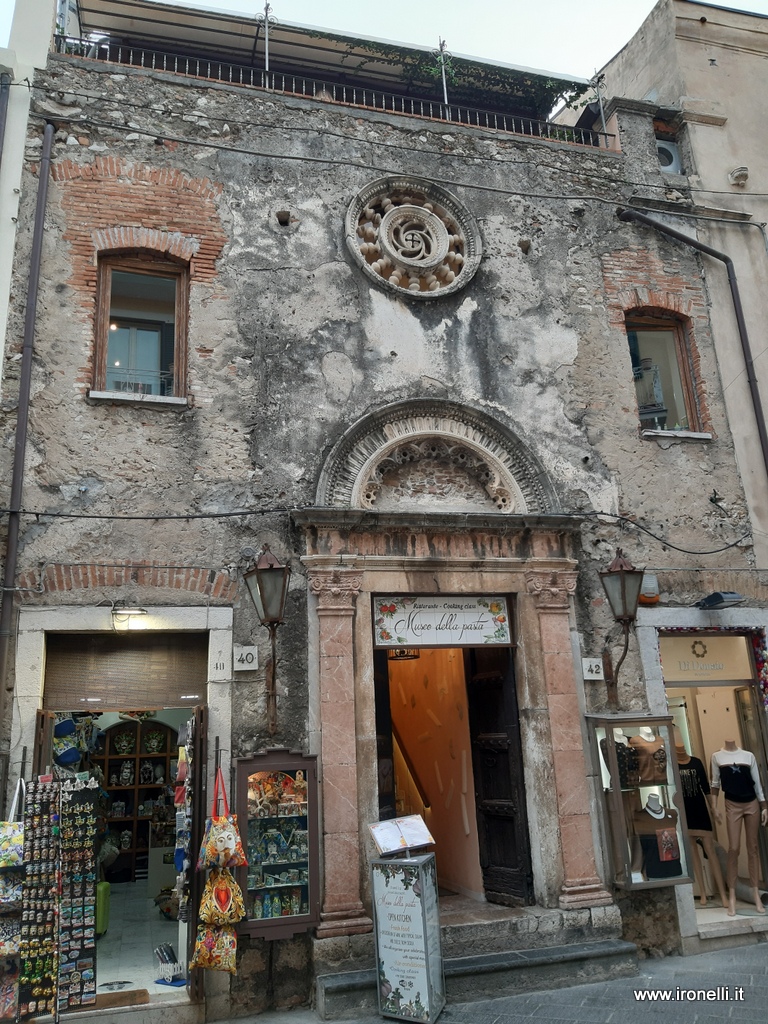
x=351, y=555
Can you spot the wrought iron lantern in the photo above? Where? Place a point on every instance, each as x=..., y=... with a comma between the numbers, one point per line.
x=267, y=584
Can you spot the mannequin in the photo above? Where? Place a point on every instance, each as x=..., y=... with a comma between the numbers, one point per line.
x=699, y=810
x=626, y=758
x=656, y=848
x=735, y=771
x=651, y=755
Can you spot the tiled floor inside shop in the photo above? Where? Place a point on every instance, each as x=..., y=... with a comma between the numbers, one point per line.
x=125, y=955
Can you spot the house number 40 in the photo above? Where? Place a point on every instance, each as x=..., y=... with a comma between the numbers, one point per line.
x=246, y=659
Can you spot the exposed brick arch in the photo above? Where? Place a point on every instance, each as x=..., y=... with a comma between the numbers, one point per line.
x=112, y=205
x=661, y=289
x=127, y=237
x=647, y=301
x=660, y=284
x=59, y=577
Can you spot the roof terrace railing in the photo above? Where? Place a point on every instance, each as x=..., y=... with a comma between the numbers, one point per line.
x=346, y=95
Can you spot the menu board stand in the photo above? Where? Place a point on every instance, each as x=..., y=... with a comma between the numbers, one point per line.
x=409, y=960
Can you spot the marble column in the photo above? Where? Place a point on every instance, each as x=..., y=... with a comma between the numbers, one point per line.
x=342, y=911
x=552, y=592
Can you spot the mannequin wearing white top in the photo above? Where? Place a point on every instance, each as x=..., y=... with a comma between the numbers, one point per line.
x=746, y=804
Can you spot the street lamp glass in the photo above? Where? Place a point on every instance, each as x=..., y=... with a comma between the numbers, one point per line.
x=622, y=584
x=268, y=586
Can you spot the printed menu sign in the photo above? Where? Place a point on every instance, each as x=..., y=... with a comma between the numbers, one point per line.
x=441, y=620
x=409, y=961
x=399, y=834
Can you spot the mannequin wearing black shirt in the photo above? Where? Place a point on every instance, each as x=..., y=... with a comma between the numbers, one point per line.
x=735, y=770
x=698, y=801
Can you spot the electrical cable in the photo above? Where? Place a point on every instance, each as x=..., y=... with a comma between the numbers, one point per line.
x=378, y=143
x=243, y=513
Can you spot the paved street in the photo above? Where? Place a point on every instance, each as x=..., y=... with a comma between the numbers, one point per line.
x=738, y=978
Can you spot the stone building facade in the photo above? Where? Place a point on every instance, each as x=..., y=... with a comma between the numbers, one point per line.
x=399, y=357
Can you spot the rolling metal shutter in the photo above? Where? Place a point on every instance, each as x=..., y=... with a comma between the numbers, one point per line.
x=101, y=672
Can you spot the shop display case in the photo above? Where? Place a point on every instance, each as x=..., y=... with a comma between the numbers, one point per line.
x=643, y=808
x=276, y=802
x=136, y=761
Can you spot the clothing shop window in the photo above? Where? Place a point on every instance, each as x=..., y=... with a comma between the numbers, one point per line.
x=141, y=327
x=661, y=368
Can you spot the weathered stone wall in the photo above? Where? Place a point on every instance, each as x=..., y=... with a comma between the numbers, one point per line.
x=290, y=344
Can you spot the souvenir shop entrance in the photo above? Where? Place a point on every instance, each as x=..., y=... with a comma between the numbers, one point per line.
x=127, y=714
x=713, y=698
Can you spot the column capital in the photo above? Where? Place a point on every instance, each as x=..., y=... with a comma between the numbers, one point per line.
x=334, y=587
x=551, y=588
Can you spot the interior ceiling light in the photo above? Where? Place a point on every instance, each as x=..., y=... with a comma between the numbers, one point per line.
x=403, y=653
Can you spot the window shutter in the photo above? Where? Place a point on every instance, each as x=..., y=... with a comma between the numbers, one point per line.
x=101, y=672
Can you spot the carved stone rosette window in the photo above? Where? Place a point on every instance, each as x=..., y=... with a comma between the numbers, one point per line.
x=411, y=236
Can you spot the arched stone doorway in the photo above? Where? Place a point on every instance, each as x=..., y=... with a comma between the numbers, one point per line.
x=430, y=498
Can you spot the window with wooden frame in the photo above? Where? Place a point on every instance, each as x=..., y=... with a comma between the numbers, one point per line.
x=662, y=372
x=141, y=327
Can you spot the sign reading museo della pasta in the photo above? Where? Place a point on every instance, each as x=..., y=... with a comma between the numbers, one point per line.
x=441, y=620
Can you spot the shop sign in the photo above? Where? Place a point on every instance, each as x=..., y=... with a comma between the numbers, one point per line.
x=440, y=621
x=407, y=931
x=705, y=659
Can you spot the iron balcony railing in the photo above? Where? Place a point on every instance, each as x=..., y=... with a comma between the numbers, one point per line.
x=345, y=95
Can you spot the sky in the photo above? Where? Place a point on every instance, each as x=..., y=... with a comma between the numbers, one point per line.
x=570, y=37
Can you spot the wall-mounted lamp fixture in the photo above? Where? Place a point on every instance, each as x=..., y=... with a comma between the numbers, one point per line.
x=649, y=591
x=267, y=584
x=403, y=653
x=128, y=616
x=720, y=599
x=622, y=583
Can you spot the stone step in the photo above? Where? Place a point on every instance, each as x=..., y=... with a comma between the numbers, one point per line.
x=490, y=975
x=497, y=929
x=168, y=1010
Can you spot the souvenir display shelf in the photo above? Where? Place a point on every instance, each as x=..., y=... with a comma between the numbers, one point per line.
x=643, y=808
x=276, y=803
x=136, y=761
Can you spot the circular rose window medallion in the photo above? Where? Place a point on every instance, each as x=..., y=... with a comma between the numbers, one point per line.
x=412, y=236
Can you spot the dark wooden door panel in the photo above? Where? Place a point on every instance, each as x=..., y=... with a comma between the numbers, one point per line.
x=497, y=763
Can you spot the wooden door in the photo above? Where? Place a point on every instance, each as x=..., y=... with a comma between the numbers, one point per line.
x=752, y=738
x=195, y=978
x=497, y=760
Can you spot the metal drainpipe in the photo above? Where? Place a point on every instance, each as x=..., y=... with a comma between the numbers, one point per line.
x=22, y=422
x=757, y=405
x=5, y=92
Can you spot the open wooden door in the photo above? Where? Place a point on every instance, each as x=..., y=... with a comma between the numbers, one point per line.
x=195, y=983
x=497, y=761
x=750, y=713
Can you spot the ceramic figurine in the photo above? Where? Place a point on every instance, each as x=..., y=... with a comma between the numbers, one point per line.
x=126, y=773
x=146, y=772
